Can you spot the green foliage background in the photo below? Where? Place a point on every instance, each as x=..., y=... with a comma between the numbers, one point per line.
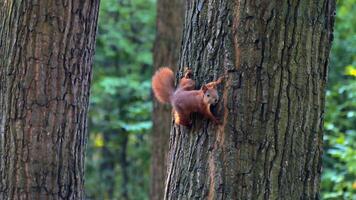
x=117, y=160
x=339, y=160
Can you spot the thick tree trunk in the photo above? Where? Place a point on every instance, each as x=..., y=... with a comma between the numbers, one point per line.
x=46, y=50
x=170, y=16
x=275, y=57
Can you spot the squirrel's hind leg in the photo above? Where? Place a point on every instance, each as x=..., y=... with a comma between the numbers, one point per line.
x=181, y=119
x=187, y=83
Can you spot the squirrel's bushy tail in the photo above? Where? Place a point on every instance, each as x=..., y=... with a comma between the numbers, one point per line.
x=163, y=84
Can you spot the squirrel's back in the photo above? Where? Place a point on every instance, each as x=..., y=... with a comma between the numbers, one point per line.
x=163, y=84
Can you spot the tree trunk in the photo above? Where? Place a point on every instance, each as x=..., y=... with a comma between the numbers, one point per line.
x=107, y=166
x=124, y=165
x=46, y=50
x=170, y=16
x=274, y=55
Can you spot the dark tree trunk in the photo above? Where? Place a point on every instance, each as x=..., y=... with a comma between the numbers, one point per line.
x=275, y=57
x=107, y=166
x=170, y=16
x=46, y=50
x=124, y=165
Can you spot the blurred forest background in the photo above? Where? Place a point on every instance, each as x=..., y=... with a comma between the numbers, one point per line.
x=118, y=150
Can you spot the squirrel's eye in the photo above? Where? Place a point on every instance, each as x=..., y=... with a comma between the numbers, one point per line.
x=208, y=95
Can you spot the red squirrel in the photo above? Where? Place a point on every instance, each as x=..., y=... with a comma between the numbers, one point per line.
x=185, y=99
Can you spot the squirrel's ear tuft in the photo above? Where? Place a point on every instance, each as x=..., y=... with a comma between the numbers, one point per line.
x=204, y=88
x=188, y=73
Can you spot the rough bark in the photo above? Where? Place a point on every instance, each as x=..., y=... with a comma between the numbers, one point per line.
x=275, y=57
x=46, y=50
x=170, y=16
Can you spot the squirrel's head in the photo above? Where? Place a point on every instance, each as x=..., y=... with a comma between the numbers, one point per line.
x=211, y=95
